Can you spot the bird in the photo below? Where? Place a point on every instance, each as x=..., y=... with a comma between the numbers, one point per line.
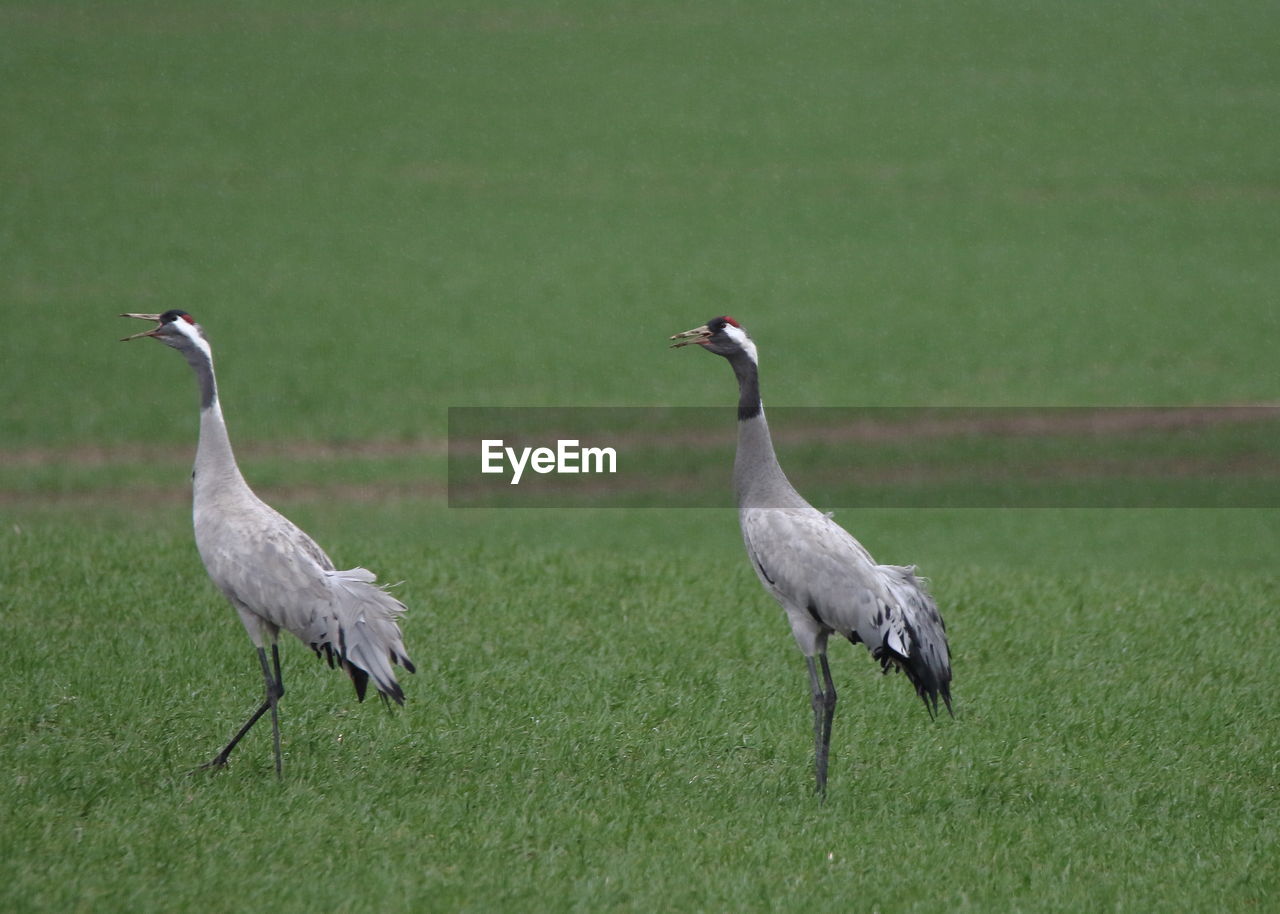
x=273, y=574
x=824, y=579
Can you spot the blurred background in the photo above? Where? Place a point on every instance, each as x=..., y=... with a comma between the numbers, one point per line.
x=378, y=211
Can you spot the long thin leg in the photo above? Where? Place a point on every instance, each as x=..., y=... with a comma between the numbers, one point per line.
x=824, y=712
x=819, y=759
x=274, y=689
x=829, y=714
x=220, y=759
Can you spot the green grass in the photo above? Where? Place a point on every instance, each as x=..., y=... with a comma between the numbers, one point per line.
x=602, y=721
x=382, y=210
x=906, y=203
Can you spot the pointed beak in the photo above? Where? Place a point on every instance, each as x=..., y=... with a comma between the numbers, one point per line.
x=143, y=317
x=698, y=335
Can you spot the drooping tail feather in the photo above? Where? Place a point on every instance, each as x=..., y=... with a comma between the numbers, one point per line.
x=367, y=641
x=925, y=657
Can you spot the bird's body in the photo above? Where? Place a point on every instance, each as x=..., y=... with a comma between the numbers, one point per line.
x=884, y=607
x=823, y=578
x=272, y=572
x=278, y=577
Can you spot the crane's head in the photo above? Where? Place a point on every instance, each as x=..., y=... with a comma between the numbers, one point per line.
x=721, y=335
x=173, y=328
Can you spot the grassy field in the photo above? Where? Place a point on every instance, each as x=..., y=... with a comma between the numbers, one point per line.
x=384, y=210
x=605, y=720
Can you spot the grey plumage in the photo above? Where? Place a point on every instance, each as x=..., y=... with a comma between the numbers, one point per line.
x=823, y=578
x=273, y=573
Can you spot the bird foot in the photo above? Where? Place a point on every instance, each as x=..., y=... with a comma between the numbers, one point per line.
x=216, y=764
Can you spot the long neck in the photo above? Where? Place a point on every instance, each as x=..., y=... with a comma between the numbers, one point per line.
x=215, y=461
x=758, y=480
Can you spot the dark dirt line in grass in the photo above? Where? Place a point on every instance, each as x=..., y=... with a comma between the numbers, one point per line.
x=676, y=485
x=1002, y=421
x=929, y=425
x=93, y=456
x=803, y=425
x=147, y=496
x=691, y=490
x=1010, y=422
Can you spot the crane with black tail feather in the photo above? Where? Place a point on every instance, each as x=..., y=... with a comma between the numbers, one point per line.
x=275, y=575
x=823, y=578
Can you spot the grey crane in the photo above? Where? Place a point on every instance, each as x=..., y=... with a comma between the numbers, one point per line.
x=823, y=578
x=275, y=575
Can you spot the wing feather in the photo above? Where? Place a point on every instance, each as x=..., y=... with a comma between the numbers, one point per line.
x=278, y=577
x=826, y=581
